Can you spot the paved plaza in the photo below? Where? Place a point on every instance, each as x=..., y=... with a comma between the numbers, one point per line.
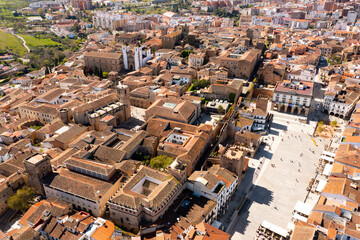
x=291, y=161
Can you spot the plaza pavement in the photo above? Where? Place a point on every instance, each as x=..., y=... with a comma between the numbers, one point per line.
x=283, y=179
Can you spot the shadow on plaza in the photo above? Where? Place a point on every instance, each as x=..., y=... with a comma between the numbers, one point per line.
x=259, y=195
x=131, y=123
x=261, y=152
x=278, y=126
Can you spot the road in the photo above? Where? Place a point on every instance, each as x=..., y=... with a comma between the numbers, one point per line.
x=23, y=40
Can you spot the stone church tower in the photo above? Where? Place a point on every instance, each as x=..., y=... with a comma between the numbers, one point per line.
x=38, y=167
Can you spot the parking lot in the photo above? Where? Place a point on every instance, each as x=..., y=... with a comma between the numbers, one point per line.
x=291, y=161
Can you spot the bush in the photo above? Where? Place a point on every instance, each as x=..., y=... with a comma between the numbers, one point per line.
x=161, y=161
x=333, y=123
x=35, y=127
x=185, y=53
x=221, y=109
x=321, y=123
x=105, y=74
x=190, y=88
x=22, y=199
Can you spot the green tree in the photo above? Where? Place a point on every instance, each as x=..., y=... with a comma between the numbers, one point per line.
x=105, y=74
x=41, y=12
x=199, y=84
x=161, y=161
x=185, y=53
x=22, y=199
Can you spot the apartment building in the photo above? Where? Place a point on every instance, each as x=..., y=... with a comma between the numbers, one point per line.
x=217, y=184
x=339, y=102
x=109, y=20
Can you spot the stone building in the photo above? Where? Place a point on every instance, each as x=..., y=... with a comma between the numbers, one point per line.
x=144, y=198
x=233, y=159
x=104, y=61
x=169, y=40
x=173, y=109
x=37, y=168
x=248, y=142
x=44, y=113
x=241, y=65
x=271, y=73
x=143, y=97
x=129, y=38
x=86, y=184
x=184, y=142
x=196, y=60
x=114, y=105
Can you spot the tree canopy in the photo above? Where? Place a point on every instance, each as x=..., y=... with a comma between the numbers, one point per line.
x=22, y=199
x=161, y=161
x=199, y=84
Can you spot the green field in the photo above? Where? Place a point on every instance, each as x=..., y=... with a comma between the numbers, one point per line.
x=33, y=42
x=14, y=2
x=9, y=42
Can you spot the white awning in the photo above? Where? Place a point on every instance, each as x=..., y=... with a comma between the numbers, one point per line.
x=330, y=154
x=291, y=226
x=274, y=228
x=303, y=208
x=299, y=217
x=327, y=169
x=328, y=159
x=321, y=185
